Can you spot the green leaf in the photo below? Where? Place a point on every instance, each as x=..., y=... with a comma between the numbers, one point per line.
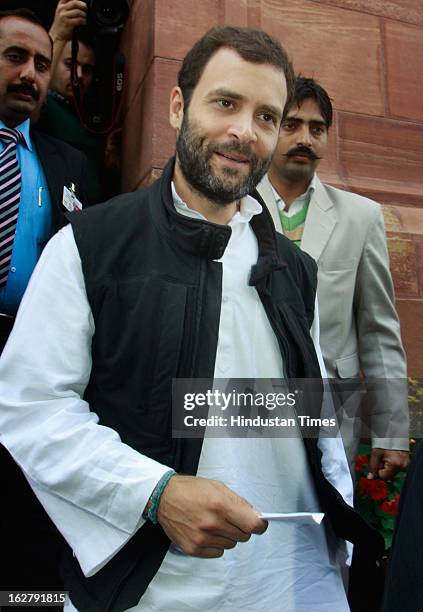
x=378, y=511
x=398, y=482
x=388, y=539
x=388, y=522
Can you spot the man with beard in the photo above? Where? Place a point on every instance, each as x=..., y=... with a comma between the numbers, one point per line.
x=34, y=169
x=345, y=234
x=185, y=279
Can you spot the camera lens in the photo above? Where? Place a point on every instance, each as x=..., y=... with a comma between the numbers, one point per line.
x=109, y=15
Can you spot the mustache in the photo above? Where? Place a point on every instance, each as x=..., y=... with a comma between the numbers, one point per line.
x=302, y=151
x=234, y=147
x=24, y=88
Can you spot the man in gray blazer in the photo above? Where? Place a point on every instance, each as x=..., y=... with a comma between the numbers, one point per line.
x=345, y=234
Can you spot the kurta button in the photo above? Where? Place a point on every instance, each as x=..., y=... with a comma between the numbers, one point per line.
x=13, y=269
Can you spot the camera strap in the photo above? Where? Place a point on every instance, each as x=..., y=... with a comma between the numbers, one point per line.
x=118, y=91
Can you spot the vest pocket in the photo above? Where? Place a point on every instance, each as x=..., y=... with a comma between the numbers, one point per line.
x=155, y=415
x=169, y=341
x=140, y=327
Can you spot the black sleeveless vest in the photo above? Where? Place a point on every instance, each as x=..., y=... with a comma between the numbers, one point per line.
x=155, y=293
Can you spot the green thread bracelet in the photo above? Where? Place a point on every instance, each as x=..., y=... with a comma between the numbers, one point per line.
x=156, y=495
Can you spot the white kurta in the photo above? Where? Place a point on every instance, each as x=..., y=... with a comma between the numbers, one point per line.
x=95, y=487
x=290, y=568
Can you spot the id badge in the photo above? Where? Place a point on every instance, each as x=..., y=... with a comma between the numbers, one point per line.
x=70, y=201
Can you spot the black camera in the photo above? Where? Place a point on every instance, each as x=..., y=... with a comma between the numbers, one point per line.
x=107, y=16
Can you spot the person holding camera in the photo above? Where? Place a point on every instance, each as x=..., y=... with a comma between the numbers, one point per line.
x=59, y=117
x=69, y=15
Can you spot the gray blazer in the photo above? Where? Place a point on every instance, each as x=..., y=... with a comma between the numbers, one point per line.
x=359, y=327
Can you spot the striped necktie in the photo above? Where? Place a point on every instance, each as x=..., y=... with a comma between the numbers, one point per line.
x=10, y=191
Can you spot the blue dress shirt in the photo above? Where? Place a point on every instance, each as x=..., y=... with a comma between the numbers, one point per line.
x=35, y=222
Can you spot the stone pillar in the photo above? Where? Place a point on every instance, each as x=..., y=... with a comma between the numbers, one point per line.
x=367, y=53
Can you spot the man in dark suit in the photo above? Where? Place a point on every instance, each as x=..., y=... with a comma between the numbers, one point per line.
x=46, y=165
x=34, y=172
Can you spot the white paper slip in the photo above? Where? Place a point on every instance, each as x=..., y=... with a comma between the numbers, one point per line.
x=305, y=518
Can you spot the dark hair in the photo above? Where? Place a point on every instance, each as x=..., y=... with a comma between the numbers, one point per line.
x=309, y=88
x=86, y=36
x=252, y=45
x=25, y=13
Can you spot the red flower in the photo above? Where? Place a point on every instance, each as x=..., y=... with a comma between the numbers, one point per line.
x=361, y=462
x=376, y=489
x=394, y=505
x=390, y=507
x=363, y=485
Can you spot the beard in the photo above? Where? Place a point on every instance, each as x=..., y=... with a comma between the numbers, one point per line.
x=194, y=159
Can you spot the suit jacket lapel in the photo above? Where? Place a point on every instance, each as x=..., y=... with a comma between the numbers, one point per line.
x=320, y=221
x=53, y=170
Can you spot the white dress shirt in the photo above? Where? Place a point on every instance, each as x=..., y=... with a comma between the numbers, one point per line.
x=95, y=487
x=298, y=203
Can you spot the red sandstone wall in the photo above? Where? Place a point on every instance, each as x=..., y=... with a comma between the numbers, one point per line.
x=367, y=53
